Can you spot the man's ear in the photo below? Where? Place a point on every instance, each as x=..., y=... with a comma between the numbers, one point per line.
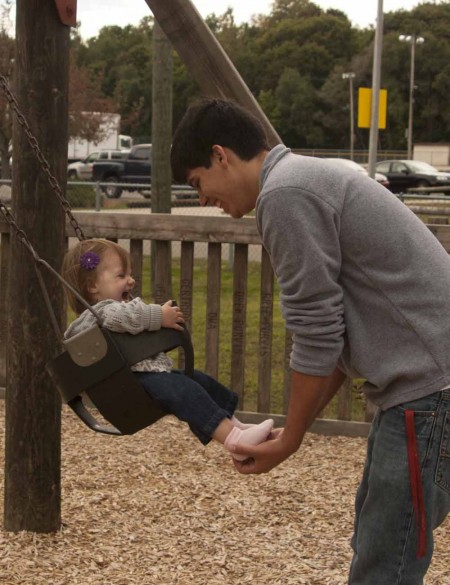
x=219, y=154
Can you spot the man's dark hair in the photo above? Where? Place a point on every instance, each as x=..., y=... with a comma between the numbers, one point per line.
x=214, y=121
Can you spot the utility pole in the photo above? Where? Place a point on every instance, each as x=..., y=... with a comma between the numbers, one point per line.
x=413, y=40
x=33, y=407
x=376, y=79
x=351, y=76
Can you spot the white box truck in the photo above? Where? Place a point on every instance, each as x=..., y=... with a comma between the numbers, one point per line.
x=110, y=138
x=437, y=155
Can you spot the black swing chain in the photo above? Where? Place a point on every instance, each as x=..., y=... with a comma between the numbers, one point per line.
x=40, y=156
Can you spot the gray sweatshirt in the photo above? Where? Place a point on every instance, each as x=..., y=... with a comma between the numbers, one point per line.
x=364, y=284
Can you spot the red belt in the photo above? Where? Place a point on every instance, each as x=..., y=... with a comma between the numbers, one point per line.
x=416, y=484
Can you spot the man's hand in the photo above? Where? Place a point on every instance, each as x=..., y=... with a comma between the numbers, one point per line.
x=265, y=456
x=309, y=394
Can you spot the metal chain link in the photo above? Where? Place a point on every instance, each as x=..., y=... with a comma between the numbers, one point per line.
x=40, y=156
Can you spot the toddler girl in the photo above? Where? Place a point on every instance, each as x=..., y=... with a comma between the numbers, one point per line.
x=101, y=272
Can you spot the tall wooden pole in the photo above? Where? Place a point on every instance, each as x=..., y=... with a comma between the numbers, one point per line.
x=161, y=174
x=204, y=57
x=33, y=409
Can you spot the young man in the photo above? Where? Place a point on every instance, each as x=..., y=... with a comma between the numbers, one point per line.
x=365, y=288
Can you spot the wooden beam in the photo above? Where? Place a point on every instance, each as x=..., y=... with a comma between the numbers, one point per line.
x=205, y=58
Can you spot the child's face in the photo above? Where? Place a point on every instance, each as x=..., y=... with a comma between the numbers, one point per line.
x=114, y=281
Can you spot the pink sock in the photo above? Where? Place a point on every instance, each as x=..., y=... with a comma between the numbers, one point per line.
x=254, y=435
x=240, y=425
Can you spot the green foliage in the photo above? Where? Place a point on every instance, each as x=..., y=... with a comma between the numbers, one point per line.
x=298, y=47
x=81, y=196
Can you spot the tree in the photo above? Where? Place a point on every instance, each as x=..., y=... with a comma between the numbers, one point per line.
x=122, y=59
x=297, y=34
x=296, y=102
x=86, y=97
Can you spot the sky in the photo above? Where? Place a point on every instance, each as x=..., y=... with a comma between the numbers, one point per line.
x=94, y=14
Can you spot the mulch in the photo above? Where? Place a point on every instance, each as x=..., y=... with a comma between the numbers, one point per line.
x=157, y=508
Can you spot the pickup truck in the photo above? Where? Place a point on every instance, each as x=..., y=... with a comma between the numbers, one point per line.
x=135, y=168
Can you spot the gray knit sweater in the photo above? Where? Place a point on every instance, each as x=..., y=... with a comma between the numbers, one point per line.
x=364, y=284
x=132, y=317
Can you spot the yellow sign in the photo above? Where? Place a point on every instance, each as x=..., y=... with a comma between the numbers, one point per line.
x=365, y=108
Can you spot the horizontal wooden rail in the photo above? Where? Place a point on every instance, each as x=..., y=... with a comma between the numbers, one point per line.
x=161, y=226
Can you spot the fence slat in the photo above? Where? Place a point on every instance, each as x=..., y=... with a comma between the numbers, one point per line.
x=136, y=253
x=240, y=271
x=344, y=405
x=162, y=291
x=213, y=309
x=4, y=260
x=265, y=333
x=186, y=288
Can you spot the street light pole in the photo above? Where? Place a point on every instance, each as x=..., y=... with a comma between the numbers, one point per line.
x=375, y=102
x=351, y=76
x=413, y=40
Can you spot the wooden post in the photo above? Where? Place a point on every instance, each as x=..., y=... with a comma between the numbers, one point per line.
x=161, y=140
x=205, y=58
x=33, y=408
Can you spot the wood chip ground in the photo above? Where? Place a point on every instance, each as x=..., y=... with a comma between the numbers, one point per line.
x=157, y=508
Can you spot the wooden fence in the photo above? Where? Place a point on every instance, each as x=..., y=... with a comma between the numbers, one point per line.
x=214, y=231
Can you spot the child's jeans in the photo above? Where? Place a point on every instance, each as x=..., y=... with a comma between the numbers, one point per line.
x=386, y=537
x=200, y=401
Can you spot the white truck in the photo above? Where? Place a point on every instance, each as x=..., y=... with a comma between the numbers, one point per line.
x=110, y=139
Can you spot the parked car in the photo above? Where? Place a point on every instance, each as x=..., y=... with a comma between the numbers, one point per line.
x=404, y=174
x=351, y=164
x=136, y=168
x=82, y=169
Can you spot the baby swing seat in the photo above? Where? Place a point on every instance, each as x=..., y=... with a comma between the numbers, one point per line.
x=97, y=362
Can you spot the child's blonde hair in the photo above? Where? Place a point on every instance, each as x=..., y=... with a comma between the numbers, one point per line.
x=82, y=279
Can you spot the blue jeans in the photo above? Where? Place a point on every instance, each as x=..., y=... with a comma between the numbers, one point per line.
x=200, y=401
x=386, y=536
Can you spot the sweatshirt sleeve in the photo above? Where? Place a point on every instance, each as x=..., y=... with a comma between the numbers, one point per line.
x=300, y=231
x=132, y=317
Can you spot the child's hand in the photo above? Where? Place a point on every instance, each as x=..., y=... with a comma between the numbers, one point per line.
x=172, y=316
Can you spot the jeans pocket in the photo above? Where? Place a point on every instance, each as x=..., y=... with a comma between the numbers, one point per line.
x=442, y=476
